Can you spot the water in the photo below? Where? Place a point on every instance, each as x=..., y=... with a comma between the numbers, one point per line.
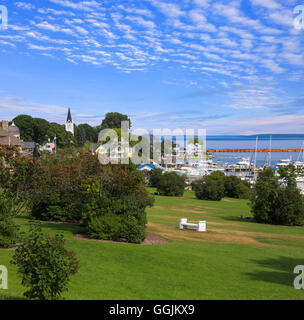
x=242, y=142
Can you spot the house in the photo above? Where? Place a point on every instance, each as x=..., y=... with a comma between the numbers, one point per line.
x=115, y=152
x=10, y=135
x=28, y=147
x=194, y=149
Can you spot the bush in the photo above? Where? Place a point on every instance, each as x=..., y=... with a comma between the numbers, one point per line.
x=58, y=193
x=115, y=205
x=45, y=265
x=236, y=188
x=105, y=227
x=210, y=187
x=154, y=177
x=8, y=229
x=277, y=200
x=171, y=184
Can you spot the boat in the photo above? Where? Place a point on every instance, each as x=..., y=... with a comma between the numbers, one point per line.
x=244, y=163
x=284, y=163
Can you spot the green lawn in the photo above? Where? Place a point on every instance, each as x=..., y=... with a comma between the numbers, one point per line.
x=234, y=260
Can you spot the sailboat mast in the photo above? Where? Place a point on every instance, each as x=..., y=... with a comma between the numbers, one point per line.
x=270, y=150
x=255, y=157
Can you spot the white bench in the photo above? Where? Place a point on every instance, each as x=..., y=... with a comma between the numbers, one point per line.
x=201, y=226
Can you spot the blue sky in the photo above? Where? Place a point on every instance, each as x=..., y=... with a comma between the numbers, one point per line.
x=231, y=67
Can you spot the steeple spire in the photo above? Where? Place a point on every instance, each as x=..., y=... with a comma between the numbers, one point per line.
x=69, y=119
x=69, y=125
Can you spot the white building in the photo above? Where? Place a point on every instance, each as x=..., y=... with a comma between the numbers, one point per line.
x=69, y=125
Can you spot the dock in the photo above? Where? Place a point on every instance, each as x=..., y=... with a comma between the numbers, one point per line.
x=253, y=150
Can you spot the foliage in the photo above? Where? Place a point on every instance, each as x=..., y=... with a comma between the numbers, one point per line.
x=26, y=125
x=44, y=264
x=9, y=231
x=116, y=204
x=171, y=184
x=85, y=133
x=41, y=129
x=113, y=121
x=58, y=193
x=277, y=200
x=236, y=188
x=64, y=139
x=210, y=187
x=18, y=175
x=154, y=177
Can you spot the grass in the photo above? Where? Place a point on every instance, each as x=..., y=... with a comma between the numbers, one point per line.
x=235, y=259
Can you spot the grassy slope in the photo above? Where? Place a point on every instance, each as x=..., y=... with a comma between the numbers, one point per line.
x=233, y=260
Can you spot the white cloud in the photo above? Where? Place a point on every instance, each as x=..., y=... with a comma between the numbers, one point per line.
x=24, y=5
x=269, y=4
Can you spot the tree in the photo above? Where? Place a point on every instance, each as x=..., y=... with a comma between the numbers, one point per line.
x=116, y=204
x=277, y=200
x=113, y=121
x=44, y=264
x=171, y=184
x=41, y=128
x=64, y=139
x=8, y=228
x=85, y=133
x=210, y=187
x=154, y=177
x=25, y=124
x=236, y=188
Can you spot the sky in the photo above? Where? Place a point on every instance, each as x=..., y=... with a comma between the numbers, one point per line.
x=230, y=67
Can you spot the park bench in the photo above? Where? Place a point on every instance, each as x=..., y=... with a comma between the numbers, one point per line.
x=200, y=226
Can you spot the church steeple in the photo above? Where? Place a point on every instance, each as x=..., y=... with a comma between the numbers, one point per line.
x=69, y=125
x=69, y=118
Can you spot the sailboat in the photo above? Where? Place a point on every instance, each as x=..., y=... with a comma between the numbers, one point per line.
x=300, y=164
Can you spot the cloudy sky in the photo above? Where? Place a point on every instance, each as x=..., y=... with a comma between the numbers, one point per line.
x=232, y=67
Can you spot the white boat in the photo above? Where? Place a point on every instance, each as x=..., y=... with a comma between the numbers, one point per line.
x=284, y=163
x=244, y=163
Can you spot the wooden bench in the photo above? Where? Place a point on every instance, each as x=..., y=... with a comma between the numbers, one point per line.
x=201, y=226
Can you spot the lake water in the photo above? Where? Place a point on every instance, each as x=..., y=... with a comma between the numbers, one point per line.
x=241, y=142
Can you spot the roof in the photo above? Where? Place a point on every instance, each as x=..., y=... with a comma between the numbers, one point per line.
x=69, y=118
x=28, y=145
x=151, y=166
x=13, y=128
x=10, y=140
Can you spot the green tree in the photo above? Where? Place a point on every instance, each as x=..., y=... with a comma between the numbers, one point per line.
x=277, y=200
x=44, y=264
x=85, y=133
x=64, y=139
x=8, y=228
x=236, y=188
x=113, y=121
x=210, y=187
x=171, y=184
x=154, y=177
x=41, y=128
x=26, y=126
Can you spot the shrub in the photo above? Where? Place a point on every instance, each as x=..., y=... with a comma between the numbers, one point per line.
x=105, y=227
x=58, y=193
x=8, y=229
x=44, y=264
x=154, y=177
x=210, y=187
x=236, y=188
x=277, y=200
x=115, y=205
x=171, y=184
